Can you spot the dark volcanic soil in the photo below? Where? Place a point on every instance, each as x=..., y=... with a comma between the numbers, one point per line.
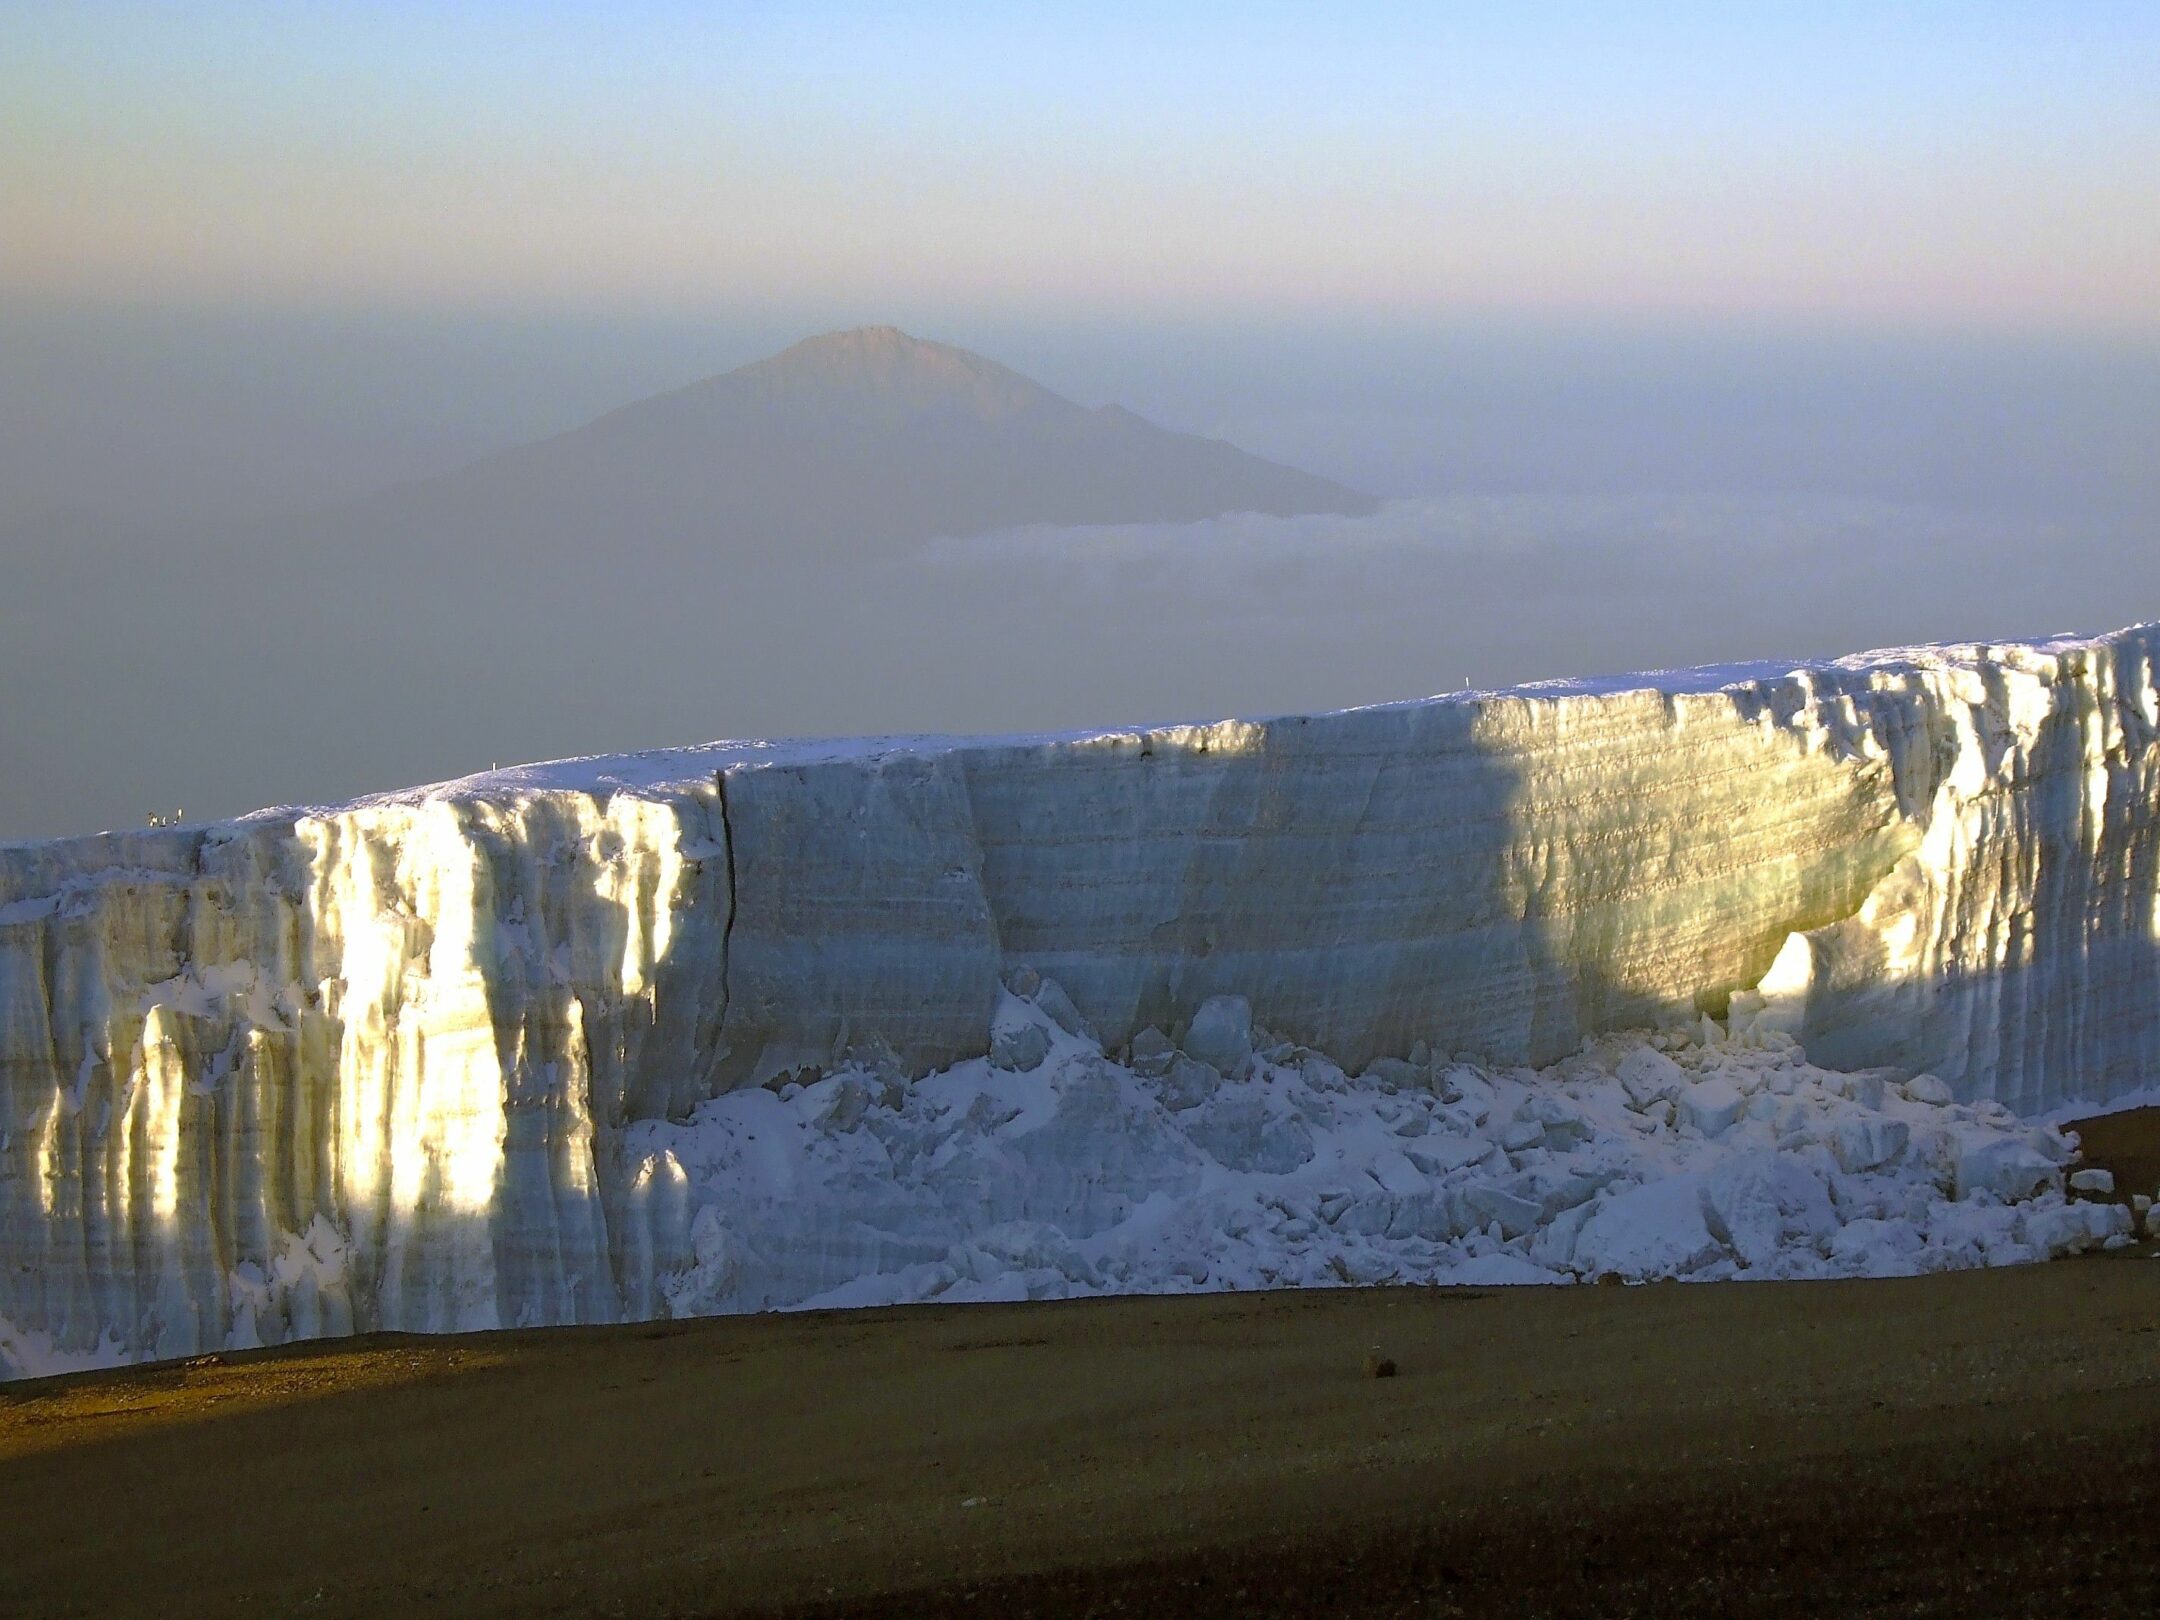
x=1981, y=1443
x=2129, y=1145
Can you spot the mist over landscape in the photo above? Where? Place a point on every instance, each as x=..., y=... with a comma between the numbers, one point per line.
x=224, y=563
x=1668, y=336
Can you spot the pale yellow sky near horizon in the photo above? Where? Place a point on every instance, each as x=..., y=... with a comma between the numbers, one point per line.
x=688, y=159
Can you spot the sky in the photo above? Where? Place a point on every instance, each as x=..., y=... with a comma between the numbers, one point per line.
x=1939, y=164
x=1672, y=333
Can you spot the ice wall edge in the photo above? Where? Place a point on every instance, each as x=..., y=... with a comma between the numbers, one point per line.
x=369, y=1065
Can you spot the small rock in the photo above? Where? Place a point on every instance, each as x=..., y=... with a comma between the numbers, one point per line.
x=2092, y=1180
x=1023, y=982
x=1378, y=1366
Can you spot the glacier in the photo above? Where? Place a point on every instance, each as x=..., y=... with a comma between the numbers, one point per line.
x=460, y=1056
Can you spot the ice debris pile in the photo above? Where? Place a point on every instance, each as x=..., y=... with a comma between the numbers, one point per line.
x=1050, y=1169
x=425, y=1061
x=1234, y=1159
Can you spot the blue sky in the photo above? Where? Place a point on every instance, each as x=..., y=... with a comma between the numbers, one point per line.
x=1885, y=164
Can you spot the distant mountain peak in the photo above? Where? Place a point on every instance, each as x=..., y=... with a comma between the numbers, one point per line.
x=865, y=340
x=852, y=441
x=864, y=345
x=886, y=363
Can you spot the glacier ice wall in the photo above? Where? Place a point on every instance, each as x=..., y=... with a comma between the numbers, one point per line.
x=374, y=1065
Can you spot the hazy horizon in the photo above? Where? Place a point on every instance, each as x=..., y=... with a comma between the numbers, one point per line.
x=1669, y=334
x=161, y=417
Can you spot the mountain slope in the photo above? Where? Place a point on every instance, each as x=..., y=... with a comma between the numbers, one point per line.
x=852, y=440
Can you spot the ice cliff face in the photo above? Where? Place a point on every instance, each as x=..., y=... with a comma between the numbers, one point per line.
x=376, y=1066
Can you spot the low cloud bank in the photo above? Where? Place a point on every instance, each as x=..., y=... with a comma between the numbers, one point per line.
x=1503, y=589
x=219, y=682
x=1651, y=534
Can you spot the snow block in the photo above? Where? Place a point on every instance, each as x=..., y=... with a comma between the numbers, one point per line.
x=1655, y=1230
x=1650, y=1076
x=1761, y=1204
x=1221, y=1035
x=1712, y=1106
x=2008, y=1168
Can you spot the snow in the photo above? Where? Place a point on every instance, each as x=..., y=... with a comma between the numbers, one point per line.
x=1221, y=1035
x=2001, y=1166
x=1080, y=1174
x=1083, y=1176
x=378, y=1065
x=1712, y=1105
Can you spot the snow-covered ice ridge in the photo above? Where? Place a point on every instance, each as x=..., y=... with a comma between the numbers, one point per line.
x=468, y=1055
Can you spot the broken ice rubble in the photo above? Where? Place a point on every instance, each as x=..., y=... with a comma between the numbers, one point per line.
x=1050, y=1169
x=1645, y=1156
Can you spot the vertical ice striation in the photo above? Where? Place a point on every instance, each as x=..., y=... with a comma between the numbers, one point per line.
x=2016, y=949
x=373, y=1066
x=301, y=1072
